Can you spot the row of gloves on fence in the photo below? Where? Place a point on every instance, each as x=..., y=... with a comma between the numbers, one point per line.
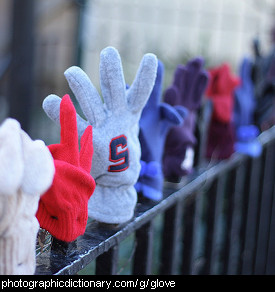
x=238, y=107
x=243, y=106
x=62, y=184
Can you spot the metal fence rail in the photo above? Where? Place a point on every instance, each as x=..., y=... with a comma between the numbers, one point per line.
x=221, y=222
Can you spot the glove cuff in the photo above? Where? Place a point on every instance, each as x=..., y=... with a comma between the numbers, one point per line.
x=150, y=181
x=247, y=142
x=66, y=227
x=17, y=251
x=220, y=140
x=172, y=167
x=247, y=133
x=112, y=205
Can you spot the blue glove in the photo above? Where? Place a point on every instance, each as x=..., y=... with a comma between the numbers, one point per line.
x=247, y=142
x=244, y=96
x=264, y=85
x=156, y=119
x=244, y=108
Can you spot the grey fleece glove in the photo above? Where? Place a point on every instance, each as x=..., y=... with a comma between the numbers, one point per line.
x=116, y=159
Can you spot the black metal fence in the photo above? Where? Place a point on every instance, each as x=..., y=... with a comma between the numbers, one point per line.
x=222, y=221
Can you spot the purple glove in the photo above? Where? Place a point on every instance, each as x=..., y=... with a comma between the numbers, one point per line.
x=187, y=90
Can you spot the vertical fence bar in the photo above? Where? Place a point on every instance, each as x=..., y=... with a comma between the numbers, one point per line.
x=106, y=263
x=171, y=239
x=198, y=234
x=228, y=213
x=265, y=210
x=210, y=207
x=81, y=7
x=22, y=64
x=245, y=199
x=248, y=257
x=217, y=256
x=144, y=250
x=270, y=265
x=236, y=220
x=188, y=234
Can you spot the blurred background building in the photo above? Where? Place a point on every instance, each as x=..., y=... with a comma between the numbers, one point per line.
x=52, y=35
x=175, y=30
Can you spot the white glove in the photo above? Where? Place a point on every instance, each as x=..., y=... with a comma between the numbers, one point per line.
x=26, y=172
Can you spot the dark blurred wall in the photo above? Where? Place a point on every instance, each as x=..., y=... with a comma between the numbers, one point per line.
x=40, y=39
x=20, y=92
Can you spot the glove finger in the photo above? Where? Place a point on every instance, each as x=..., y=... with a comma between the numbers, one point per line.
x=194, y=67
x=11, y=158
x=179, y=77
x=199, y=89
x=172, y=95
x=67, y=149
x=68, y=123
x=51, y=106
x=170, y=115
x=194, y=83
x=182, y=111
x=141, y=88
x=86, y=94
x=112, y=81
x=156, y=92
x=245, y=71
x=38, y=166
x=87, y=150
x=227, y=81
x=81, y=125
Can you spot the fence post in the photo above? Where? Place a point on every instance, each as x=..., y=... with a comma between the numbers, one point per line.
x=270, y=267
x=265, y=210
x=21, y=75
x=106, y=263
x=171, y=239
x=249, y=246
x=188, y=235
x=144, y=250
x=82, y=4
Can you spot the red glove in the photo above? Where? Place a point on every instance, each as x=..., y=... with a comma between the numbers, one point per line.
x=220, y=91
x=63, y=209
x=221, y=136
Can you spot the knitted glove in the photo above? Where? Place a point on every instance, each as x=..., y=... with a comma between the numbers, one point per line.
x=187, y=90
x=264, y=83
x=244, y=107
x=26, y=171
x=247, y=142
x=221, y=135
x=63, y=209
x=156, y=119
x=116, y=160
